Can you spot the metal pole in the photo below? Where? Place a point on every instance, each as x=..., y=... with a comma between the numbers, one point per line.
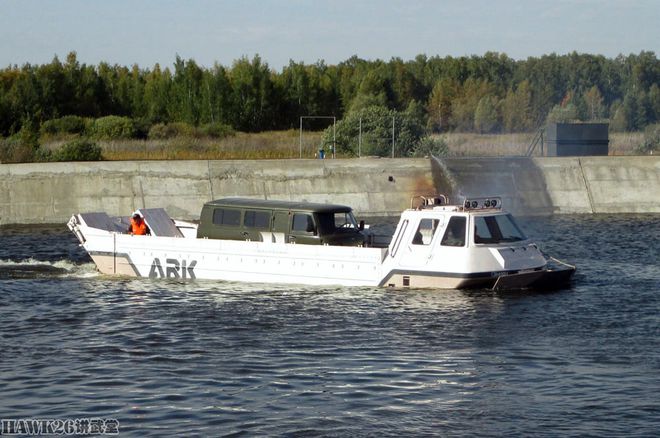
x=360, y=139
x=392, y=136
x=542, y=151
x=334, y=131
x=334, y=135
x=301, y=137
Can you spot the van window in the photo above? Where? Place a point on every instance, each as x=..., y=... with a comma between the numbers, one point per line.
x=226, y=216
x=345, y=220
x=455, y=233
x=302, y=223
x=257, y=219
x=330, y=222
x=425, y=231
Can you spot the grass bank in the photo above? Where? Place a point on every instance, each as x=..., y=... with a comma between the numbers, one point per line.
x=468, y=144
x=286, y=144
x=242, y=146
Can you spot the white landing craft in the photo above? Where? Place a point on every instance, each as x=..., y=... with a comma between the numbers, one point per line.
x=436, y=245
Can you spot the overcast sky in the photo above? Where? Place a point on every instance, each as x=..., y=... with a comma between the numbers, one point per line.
x=150, y=31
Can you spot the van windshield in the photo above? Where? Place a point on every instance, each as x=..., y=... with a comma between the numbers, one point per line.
x=496, y=229
x=331, y=222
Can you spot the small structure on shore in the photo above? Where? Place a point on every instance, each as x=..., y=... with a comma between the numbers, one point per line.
x=576, y=139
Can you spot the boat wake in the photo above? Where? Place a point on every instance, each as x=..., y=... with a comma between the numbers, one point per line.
x=31, y=268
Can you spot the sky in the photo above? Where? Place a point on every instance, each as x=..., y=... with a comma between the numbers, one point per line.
x=146, y=32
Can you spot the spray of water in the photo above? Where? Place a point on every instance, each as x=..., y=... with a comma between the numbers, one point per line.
x=517, y=180
x=32, y=268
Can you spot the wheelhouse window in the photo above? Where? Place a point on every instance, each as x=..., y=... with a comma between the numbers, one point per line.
x=399, y=235
x=425, y=231
x=455, y=233
x=257, y=219
x=496, y=229
x=227, y=217
x=302, y=223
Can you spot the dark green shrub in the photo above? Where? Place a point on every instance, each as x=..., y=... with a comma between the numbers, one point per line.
x=158, y=131
x=29, y=135
x=375, y=124
x=163, y=131
x=562, y=114
x=13, y=150
x=142, y=127
x=78, y=150
x=42, y=155
x=63, y=125
x=428, y=146
x=114, y=128
x=89, y=125
x=217, y=130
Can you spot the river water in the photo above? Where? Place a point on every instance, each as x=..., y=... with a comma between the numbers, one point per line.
x=213, y=358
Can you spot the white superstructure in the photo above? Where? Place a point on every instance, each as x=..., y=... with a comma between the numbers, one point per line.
x=435, y=245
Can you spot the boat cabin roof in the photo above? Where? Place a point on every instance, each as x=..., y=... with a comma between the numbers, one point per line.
x=470, y=206
x=279, y=205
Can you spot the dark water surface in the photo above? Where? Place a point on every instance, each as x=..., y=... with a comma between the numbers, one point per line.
x=213, y=358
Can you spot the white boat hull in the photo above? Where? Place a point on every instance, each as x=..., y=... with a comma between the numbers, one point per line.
x=175, y=258
x=405, y=263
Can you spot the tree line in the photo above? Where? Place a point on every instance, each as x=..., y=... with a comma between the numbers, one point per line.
x=489, y=93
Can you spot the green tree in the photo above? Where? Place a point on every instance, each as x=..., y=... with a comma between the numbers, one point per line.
x=375, y=125
x=185, y=97
x=156, y=94
x=406, y=86
x=517, y=109
x=216, y=96
x=634, y=110
x=253, y=95
x=464, y=106
x=618, y=122
x=594, y=103
x=654, y=103
x=485, y=115
x=440, y=104
x=563, y=114
x=249, y=96
x=307, y=91
x=372, y=92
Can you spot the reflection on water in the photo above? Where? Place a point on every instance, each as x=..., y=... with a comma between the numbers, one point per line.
x=201, y=358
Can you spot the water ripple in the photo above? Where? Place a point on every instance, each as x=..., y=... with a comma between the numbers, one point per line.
x=212, y=358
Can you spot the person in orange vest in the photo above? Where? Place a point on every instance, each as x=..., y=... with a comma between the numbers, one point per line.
x=138, y=227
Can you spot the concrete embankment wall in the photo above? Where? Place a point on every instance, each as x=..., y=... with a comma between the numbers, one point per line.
x=52, y=192
x=557, y=185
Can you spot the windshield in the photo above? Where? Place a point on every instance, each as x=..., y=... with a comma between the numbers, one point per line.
x=496, y=229
x=329, y=223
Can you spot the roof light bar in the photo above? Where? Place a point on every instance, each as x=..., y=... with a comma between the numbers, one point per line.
x=482, y=203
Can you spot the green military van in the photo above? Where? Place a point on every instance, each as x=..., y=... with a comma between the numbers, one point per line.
x=280, y=221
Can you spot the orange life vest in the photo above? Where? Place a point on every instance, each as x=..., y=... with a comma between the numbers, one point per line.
x=139, y=228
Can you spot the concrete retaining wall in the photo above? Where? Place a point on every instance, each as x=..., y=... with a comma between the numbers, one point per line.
x=557, y=185
x=52, y=192
x=605, y=184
